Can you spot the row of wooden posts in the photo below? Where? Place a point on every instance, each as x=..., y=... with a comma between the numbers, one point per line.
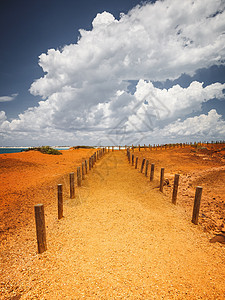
x=39, y=208
x=198, y=192
x=164, y=146
x=82, y=171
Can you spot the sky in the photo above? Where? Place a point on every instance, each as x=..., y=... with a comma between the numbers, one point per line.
x=98, y=72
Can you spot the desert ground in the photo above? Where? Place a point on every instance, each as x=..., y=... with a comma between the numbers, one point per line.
x=120, y=237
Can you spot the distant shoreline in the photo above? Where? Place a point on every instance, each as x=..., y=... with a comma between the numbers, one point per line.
x=8, y=150
x=26, y=147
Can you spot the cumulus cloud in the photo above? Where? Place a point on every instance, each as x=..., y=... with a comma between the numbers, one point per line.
x=123, y=116
x=199, y=127
x=176, y=101
x=2, y=117
x=154, y=41
x=85, y=88
x=8, y=98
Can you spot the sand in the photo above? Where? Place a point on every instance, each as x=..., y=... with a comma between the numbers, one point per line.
x=120, y=237
x=204, y=167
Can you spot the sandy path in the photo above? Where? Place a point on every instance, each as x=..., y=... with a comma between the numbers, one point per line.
x=123, y=239
x=195, y=168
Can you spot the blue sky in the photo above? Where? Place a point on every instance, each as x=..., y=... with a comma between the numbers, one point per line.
x=152, y=73
x=29, y=28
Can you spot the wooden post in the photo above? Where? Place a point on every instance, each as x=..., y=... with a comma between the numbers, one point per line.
x=175, y=188
x=119, y=148
x=89, y=163
x=78, y=176
x=161, y=180
x=129, y=156
x=139, y=148
x=198, y=195
x=60, y=201
x=132, y=159
x=86, y=166
x=40, y=227
x=142, y=165
x=72, y=188
x=146, y=168
x=152, y=172
x=83, y=171
x=136, y=162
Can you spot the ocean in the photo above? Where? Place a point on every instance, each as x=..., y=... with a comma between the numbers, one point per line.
x=11, y=150
x=16, y=150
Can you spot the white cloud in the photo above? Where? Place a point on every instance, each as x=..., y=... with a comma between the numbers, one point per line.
x=103, y=19
x=2, y=117
x=154, y=41
x=203, y=127
x=85, y=89
x=176, y=101
x=124, y=115
x=8, y=98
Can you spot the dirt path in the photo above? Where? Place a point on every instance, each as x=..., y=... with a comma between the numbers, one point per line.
x=121, y=239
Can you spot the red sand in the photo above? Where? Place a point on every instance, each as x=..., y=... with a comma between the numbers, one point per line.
x=120, y=237
x=197, y=167
x=28, y=178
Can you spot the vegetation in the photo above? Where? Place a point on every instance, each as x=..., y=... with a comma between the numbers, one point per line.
x=45, y=150
x=82, y=147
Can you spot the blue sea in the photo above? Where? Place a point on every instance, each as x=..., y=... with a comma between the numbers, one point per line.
x=16, y=150
x=10, y=150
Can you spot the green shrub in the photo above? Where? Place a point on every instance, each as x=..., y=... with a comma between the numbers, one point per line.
x=83, y=147
x=45, y=150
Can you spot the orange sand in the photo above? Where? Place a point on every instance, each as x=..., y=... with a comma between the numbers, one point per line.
x=204, y=168
x=28, y=178
x=120, y=238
